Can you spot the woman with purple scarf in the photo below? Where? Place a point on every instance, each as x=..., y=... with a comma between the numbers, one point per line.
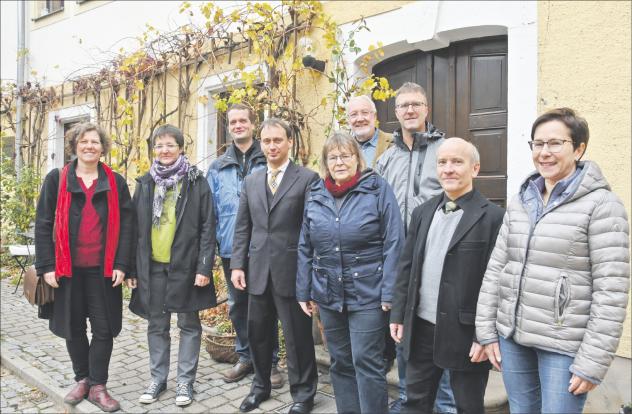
x=175, y=247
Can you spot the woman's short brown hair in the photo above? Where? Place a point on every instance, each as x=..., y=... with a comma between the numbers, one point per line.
x=340, y=140
x=75, y=133
x=575, y=124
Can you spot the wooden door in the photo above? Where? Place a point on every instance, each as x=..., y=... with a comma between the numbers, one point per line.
x=466, y=85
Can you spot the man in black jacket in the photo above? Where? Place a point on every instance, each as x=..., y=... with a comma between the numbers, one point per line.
x=268, y=225
x=449, y=242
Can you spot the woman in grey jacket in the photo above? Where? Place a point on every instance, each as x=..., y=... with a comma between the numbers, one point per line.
x=553, y=299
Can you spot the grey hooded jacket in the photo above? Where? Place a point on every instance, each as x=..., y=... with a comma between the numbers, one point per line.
x=561, y=283
x=412, y=173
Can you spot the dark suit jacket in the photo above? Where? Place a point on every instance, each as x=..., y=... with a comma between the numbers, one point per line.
x=463, y=271
x=266, y=236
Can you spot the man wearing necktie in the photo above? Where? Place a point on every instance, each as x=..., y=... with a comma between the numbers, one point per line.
x=266, y=235
x=450, y=239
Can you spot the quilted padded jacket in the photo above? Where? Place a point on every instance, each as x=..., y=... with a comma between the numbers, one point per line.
x=560, y=282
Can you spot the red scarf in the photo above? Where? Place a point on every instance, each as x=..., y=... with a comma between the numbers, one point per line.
x=340, y=190
x=63, y=261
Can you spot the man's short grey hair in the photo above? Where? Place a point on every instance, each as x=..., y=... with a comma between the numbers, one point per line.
x=411, y=87
x=475, y=156
x=361, y=98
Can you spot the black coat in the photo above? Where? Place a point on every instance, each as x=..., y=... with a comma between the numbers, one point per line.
x=463, y=271
x=266, y=236
x=58, y=312
x=192, y=250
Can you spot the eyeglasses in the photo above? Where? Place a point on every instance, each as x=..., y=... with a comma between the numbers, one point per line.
x=332, y=159
x=169, y=147
x=355, y=115
x=553, y=145
x=416, y=105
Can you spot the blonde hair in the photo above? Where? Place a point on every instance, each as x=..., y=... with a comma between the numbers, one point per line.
x=340, y=140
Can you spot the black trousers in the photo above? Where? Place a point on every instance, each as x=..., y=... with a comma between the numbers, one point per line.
x=89, y=359
x=423, y=376
x=263, y=311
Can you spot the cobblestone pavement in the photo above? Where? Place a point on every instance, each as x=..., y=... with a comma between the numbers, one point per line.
x=18, y=397
x=26, y=340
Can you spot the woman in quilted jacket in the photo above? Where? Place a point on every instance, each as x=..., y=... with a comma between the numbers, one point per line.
x=553, y=299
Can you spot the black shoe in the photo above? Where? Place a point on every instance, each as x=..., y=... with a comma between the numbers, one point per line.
x=252, y=401
x=301, y=407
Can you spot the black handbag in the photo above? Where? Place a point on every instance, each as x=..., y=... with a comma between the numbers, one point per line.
x=36, y=290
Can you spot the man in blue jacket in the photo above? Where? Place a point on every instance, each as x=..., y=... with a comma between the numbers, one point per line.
x=225, y=177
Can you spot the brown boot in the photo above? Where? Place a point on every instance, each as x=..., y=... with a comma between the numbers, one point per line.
x=238, y=371
x=99, y=396
x=78, y=392
x=276, y=378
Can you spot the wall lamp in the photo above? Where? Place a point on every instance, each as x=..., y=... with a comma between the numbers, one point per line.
x=311, y=62
x=306, y=46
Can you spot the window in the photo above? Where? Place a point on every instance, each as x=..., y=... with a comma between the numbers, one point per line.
x=223, y=136
x=68, y=156
x=47, y=7
x=8, y=149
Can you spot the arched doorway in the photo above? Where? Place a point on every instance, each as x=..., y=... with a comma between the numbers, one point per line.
x=466, y=85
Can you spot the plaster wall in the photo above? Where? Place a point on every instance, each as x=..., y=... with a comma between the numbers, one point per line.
x=84, y=36
x=9, y=36
x=584, y=63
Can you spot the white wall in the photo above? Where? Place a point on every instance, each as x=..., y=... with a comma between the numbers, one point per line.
x=86, y=38
x=431, y=25
x=9, y=40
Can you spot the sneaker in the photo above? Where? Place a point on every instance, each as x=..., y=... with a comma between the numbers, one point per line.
x=152, y=393
x=395, y=407
x=184, y=394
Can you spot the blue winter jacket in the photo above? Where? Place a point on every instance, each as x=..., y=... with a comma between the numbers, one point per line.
x=225, y=177
x=348, y=257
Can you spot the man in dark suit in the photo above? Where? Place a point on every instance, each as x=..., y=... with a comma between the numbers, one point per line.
x=450, y=239
x=266, y=235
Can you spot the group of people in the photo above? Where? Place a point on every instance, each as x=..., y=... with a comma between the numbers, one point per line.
x=392, y=245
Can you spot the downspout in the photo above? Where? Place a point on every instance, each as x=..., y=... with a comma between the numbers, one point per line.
x=20, y=85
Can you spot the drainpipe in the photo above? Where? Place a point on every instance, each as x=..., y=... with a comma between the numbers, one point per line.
x=20, y=84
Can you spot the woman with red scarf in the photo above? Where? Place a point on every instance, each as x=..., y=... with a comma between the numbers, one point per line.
x=83, y=242
x=347, y=264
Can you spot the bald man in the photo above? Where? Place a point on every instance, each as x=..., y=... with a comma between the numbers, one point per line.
x=450, y=239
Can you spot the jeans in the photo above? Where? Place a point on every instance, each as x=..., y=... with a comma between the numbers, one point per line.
x=444, y=403
x=238, y=314
x=89, y=359
x=158, y=335
x=537, y=380
x=355, y=340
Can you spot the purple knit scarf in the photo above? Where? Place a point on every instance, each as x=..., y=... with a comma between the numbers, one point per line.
x=165, y=177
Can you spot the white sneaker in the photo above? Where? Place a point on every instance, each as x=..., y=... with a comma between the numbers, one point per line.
x=184, y=394
x=152, y=393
